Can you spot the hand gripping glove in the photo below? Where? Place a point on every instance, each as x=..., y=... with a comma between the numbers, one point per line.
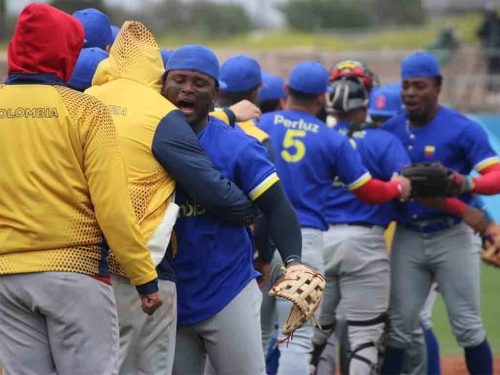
x=304, y=287
x=491, y=246
x=432, y=180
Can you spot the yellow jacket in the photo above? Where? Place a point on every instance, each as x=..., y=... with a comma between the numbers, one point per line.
x=129, y=83
x=63, y=181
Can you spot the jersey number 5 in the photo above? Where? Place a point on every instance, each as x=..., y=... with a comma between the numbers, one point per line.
x=294, y=148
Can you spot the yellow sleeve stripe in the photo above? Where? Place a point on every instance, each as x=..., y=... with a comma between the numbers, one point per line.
x=360, y=181
x=220, y=114
x=486, y=163
x=264, y=186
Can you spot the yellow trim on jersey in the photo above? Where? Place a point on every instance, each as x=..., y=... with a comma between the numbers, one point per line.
x=221, y=115
x=264, y=186
x=360, y=181
x=486, y=163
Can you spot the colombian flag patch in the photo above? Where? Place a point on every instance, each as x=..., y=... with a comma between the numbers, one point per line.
x=429, y=152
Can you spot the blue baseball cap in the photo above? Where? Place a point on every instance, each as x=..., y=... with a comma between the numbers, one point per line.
x=273, y=87
x=114, y=31
x=195, y=58
x=309, y=77
x=385, y=101
x=165, y=55
x=97, y=28
x=85, y=68
x=240, y=73
x=420, y=65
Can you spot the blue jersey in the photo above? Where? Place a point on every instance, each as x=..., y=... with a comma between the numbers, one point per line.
x=382, y=154
x=451, y=138
x=308, y=156
x=215, y=258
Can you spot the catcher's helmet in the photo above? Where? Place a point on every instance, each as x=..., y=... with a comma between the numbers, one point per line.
x=354, y=69
x=346, y=94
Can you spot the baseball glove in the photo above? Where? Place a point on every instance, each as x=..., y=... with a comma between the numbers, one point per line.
x=432, y=180
x=491, y=246
x=304, y=287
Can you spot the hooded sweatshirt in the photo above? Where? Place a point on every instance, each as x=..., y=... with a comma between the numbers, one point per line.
x=63, y=181
x=129, y=83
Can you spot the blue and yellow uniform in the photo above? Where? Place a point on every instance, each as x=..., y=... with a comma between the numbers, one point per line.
x=450, y=138
x=382, y=154
x=214, y=262
x=309, y=156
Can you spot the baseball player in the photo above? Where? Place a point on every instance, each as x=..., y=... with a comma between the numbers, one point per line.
x=114, y=32
x=354, y=252
x=242, y=78
x=272, y=96
x=431, y=243
x=308, y=158
x=218, y=297
x=97, y=27
x=85, y=67
x=64, y=199
x=423, y=354
x=158, y=145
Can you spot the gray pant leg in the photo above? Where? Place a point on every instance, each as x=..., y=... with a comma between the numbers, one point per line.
x=231, y=339
x=147, y=342
x=415, y=358
x=410, y=285
x=24, y=340
x=190, y=354
x=329, y=302
x=80, y=320
x=457, y=273
x=268, y=316
x=295, y=357
x=327, y=364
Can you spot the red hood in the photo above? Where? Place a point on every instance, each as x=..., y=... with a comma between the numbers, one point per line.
x=46, y=40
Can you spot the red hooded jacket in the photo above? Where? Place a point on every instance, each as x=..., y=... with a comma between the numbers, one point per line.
x=46, y=40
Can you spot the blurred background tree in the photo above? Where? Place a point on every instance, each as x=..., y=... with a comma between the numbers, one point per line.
x=204, y=17
x=70, y=6
x=311, y=15
x=397, y=12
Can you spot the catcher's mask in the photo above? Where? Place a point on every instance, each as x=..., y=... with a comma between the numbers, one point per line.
x=354, y=69
x=346, y=94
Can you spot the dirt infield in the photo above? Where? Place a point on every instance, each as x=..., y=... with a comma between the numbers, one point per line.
x=455, y=365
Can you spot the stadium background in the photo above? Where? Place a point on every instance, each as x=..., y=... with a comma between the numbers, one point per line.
x=280, y=45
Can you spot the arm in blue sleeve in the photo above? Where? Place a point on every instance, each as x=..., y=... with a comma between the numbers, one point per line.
x=284, y=226
x=177, y=149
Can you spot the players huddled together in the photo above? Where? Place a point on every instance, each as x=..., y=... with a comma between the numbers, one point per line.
x=155, y=206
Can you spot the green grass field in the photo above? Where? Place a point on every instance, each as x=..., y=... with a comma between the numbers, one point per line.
x=490, y=309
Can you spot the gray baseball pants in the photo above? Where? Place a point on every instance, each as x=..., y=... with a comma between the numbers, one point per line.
x=147, y=342
x=295, y=356
x=57, y=323
x=451, y=257
x=231, y=339
x=357, y=272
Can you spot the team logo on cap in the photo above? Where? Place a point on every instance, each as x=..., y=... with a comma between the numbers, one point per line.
x=429, y=152
x=380, y=102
